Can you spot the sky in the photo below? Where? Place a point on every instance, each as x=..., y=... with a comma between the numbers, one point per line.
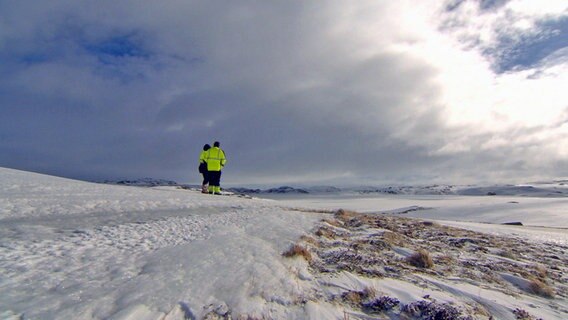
x=297, y=92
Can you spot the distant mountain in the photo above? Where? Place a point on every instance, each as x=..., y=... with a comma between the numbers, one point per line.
x=557, y=188
x=243, y=190
x=409, y=190
x=324, y=189
x=285, y=189
x=143, y=182
x=279, y=190
x=513, y=190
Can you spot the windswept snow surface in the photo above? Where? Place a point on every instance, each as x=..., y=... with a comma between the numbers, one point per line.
x=77, y=250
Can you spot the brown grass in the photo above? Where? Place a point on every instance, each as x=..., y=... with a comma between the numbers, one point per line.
x=334, y=222
x=446, y=259
x=430, y=224
x=368, y=220
x=506, y=253
x=540, y=288
x=325, y=232
x=345, y=215
x=310, y=240
x=541, y=271
x=298, y=250
x=421, y=259
x=357, y=297
x=393, y=238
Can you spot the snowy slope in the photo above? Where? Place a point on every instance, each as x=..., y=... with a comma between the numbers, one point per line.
x=77, y=250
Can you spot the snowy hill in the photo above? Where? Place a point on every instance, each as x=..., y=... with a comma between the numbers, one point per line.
x=552, y=189
x=78, y=250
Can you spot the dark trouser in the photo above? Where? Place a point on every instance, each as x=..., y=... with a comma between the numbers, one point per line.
x=205, y=178
x=214, y=178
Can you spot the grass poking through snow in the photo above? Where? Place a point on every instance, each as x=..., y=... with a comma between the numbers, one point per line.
x=298, y=250
x=378, y=246
x=421, y=259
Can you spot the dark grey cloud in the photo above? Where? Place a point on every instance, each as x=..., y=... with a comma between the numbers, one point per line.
x=136, y=88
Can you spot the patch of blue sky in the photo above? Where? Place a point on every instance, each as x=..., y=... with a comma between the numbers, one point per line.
x=125, y=46
x=512, y=54
x=453, y=5
x=484, y=5
x=487, y=5
x=71, y=41
x=34, y=58
x=120, y=57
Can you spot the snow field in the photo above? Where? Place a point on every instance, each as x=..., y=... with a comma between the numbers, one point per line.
x=74, y=250
x=77, y=250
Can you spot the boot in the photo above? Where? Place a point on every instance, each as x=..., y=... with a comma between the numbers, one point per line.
x=204, y=189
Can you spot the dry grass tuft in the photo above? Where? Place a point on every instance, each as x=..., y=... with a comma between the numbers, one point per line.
x=540, y=288
x=368, y=220
x=506, y=253
x=345, y=215
x=446, y=259
x=421, y=259
x=357, y=297
x=353, y=297
x=298, y=250
x=325, y=232
x=394, y=238
x=334, y=222
x=541, y=271
x=310, y=240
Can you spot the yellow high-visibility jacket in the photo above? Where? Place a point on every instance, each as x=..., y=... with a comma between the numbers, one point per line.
x=215, y=158
x=202, y=162
x=203, y=157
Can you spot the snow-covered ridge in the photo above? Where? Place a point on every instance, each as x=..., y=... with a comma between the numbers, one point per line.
x=556, y=189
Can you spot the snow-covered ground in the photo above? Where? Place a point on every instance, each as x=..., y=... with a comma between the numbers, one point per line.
x=78, y=250
x=543, y=219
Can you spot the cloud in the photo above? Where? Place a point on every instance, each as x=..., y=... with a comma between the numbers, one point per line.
x=511, y=34
x=296, y=92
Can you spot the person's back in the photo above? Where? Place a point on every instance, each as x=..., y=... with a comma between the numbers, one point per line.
x=216, y=160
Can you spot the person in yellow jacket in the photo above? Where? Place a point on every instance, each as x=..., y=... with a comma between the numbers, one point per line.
x=203, y=168
x=215, y=158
